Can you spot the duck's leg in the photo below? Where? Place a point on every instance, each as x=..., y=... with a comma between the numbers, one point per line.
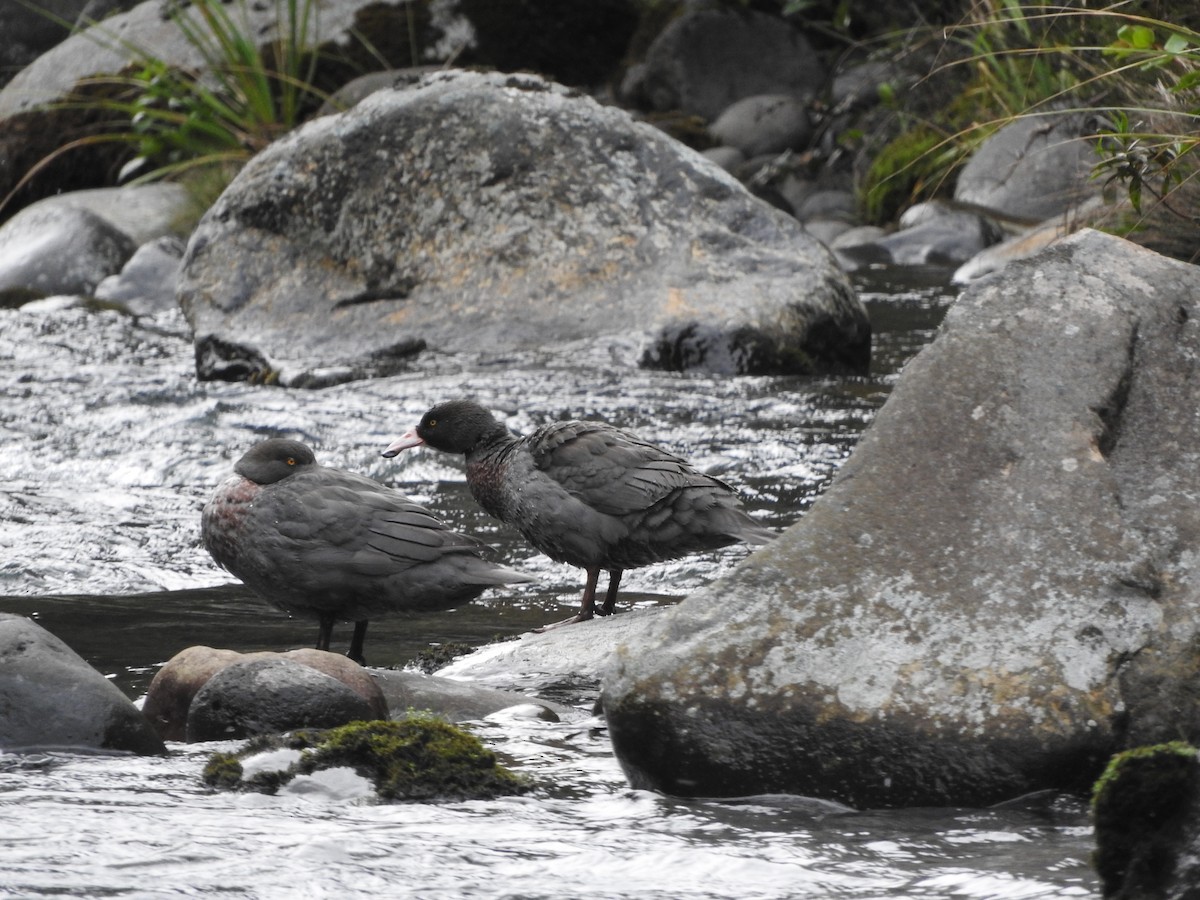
x=587, y=605
x=324, y=631
x=356, y=643
x=610, y=599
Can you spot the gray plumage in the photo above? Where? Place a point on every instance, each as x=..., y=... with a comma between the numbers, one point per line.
x=588, y=494
x=336, y=546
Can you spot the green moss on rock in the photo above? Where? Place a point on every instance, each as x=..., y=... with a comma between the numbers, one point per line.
x=1144, y=807
x=421, y=757
x=224, y=771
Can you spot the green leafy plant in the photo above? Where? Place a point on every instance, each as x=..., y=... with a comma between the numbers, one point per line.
x=1152, y=148
x=244, y=97
x=1140, y=75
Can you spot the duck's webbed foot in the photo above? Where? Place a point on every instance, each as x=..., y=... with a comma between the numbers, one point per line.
x=587, y=605
x=610, y=599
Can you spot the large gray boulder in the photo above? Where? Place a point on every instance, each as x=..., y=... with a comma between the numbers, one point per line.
x=50, y=698
x=997, y=591
x=486, y=213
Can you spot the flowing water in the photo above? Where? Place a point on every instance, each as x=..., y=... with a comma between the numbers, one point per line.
x=108, y=449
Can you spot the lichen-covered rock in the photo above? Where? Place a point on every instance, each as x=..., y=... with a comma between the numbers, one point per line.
x=1146, y=811
x=997, y=591
x=419, y=758
x=50, y=698
x=485, y=213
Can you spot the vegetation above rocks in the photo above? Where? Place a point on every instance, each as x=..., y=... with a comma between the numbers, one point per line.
x=418, y=758
x=1005, y=60
x=978, y=64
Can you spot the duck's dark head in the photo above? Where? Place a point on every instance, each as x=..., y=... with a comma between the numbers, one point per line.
x=455, y=427
x=274, y=460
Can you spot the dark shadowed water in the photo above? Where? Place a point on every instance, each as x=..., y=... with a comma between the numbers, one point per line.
x=108, y=449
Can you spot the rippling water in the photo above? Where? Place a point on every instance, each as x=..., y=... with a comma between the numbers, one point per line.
x=108, y=449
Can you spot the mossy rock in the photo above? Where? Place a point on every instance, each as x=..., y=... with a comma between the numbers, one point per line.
x=1146, y=808
x=419, y=758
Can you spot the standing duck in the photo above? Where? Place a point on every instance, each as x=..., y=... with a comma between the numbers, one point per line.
x=335, y=546
x=587, y=494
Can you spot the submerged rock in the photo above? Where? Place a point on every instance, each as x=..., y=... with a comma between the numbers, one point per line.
x=420, y=758
x=50, y=698
x=997, y=591
x=486, y=213
x=1146, y=811
x=459, y=701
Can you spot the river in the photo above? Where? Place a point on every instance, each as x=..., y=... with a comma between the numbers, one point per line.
x=109, y=447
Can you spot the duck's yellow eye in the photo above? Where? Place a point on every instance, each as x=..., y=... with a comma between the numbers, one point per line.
x=431, y=423
x=291, y=461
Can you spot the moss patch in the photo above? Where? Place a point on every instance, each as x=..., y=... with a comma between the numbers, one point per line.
x=1144, y=806
x=916, y=165
x=419, y=758
x=223, y=770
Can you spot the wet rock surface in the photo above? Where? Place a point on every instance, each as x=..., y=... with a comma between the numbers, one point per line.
x=175, y=686
x=266, y=696
x=51, y=699
x=460, y=700
x=490, y=213
x=146, y=283
x=1026, y=610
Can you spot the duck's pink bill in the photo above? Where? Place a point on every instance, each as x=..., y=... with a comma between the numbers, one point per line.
x=406, y=440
